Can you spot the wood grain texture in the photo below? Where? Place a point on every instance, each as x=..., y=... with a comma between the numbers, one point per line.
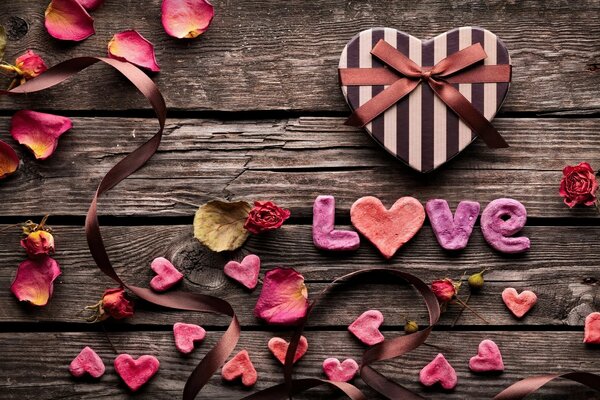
x=290, y=161
x=263, y=55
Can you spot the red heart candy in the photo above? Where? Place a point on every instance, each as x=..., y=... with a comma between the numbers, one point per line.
x=592, y=328
x=337, y=371
x=488, y=358
x=245, y=272
x=87, y=361
x=366, y=327
x=389, y=229
x=167, y=275
x=279, y=347
x=439, y=370
x=240, y=366
x=135, y=373
x=186, y=335
x=518, y=304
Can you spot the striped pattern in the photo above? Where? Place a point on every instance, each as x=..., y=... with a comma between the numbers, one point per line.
x=420, y=130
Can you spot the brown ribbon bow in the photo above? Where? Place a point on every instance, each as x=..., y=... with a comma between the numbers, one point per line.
x=459, y=67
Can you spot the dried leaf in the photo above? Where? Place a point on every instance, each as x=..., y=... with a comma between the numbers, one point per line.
x=219, y=225
x=2, y=42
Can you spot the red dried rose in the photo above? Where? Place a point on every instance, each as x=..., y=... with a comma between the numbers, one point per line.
x=579, y=185
x=38, y=243
x=444, y=289
x=265, y=216
x=114, y=303
x=29, y=65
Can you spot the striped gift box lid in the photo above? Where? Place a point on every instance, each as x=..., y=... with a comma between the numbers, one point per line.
x=420, y=129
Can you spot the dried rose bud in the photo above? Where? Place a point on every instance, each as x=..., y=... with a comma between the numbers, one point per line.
x=29, y=65
x=411, y=327
x=444, y=289
x=114, y=303
x=38, y=243
x=476, y=280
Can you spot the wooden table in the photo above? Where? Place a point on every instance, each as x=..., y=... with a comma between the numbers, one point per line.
x=255, y=112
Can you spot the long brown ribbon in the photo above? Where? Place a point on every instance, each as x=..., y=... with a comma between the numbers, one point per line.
x=529, y=385
x=459, y=67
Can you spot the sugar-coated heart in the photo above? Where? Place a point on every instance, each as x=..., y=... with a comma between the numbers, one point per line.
x=592, y=329
x=167, y=275
x=135, y=373
x=87, y=362
x=337, y=371
x=389, y=229
x=439, y=371
x=518, y=303
x=240, y=366
x=186, y=335
x=245, y=272
x=324, y=235
x=279, y=347
x=366, y=327
x=488, y=358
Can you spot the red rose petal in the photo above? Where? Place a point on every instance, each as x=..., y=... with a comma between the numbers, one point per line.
x=90, y=4
x=68, y=20
x=186, y=18
x=9, y=160
x=132, y=47
x=39, y=132
x=34, y=280
x=283, y=298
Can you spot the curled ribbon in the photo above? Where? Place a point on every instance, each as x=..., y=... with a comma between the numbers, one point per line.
x=459, y=67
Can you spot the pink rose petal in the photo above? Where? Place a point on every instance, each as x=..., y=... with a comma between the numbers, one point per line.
x=186, y=18
x=132, y=47
x=68, y=20
x=283, y=298
x=90, y=5
x=9, y=160
x=34, y=280
x=39, y=132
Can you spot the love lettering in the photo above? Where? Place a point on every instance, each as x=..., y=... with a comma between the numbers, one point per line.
x=389, y=229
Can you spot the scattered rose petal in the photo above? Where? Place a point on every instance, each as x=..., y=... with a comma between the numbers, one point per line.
x=240, y=366
x=39, y=132
x=283, y=298
x=29, y=65
x=87, y=362
x=90, y=5
x=34, y=280
x=592, y=329
x=219, y=225
x=9, y=160
x=132, y=47
x=38, y=243
x=186, y=18
x=68, y=20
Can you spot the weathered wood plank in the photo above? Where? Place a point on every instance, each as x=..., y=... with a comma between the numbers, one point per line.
x=262, y=55
x=560, y=268
x=290, y=161
x=36, y=364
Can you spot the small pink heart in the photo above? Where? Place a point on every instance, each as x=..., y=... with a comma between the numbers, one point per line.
x=87, y=361
x=167, y=275
x=240, y=366
x=488, y=358
x=279, y=347
x=592, y=329
x=366, y=327
x=186, y=335
x=518, y=304
x=245, y=272
x=340, y=372
x=439, y=371
x=135, y=373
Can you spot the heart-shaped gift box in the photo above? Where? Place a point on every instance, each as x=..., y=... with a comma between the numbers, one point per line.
x=420, y=128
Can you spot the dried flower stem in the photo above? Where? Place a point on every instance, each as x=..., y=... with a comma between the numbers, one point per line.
x=108, y=339
x=460, y=311
x=465, y=305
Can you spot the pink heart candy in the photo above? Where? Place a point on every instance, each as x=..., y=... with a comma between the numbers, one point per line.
x=167, y=275
x=439, y=371
x=240, y=366
x=135, y=373
x=337, y=371
x=488, y=358
x=518, y=304
x=186, y=335
x=87, y=361
x=366, y=327
x=592, y=329
x=245, y=272
x=279, y=347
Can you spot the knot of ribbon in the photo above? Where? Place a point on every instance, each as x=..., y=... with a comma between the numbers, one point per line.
x=403, y=76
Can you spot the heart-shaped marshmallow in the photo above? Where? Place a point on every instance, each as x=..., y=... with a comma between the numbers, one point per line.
x=592, y=329
x=389, y=229
x=186, y=335
x=488, y=358
x=439, y=371
x=87, y=362
x=337, y=371
x=167, y=275
x=135, y=373
x=518, y=303
x=240, y=366
x=245, y=272
x=279, y=347
x=366, y=327
x=325, y=236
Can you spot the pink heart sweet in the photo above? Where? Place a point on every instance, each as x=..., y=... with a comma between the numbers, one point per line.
x=592, y=329
x=245, y=272
x=240, y=366
x=87, y=362
x=167, y=275
x=366, y=327
x=279, y=347
x=518, y=303
x=439, y=371
x=488, y=358
x=337, y=371
x=186, y=335
x=135, y=373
